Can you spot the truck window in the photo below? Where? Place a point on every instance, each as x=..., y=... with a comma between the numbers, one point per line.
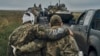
x=81, y=18
x=88, y=17
x=96, y=21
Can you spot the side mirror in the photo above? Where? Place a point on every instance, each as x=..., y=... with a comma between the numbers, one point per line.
x=81, y=22
x=72, y=22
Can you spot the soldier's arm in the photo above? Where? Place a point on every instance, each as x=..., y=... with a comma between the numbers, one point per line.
x=55, y=34
x=31, y=46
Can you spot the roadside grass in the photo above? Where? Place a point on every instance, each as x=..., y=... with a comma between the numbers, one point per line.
x=3, y=47
x=4, y=38
x=9, y=20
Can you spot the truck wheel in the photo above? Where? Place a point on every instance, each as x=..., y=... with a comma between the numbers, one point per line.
x=92, y=53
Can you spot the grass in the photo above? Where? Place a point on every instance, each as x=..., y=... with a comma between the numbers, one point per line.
x=4, y=38
x=9, y=20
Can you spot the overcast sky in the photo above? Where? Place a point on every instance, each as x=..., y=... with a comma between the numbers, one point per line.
x=71, y=4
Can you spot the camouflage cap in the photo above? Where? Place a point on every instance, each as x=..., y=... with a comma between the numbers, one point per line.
x=55, y=20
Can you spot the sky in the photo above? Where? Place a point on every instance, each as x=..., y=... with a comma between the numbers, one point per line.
x=70, y=4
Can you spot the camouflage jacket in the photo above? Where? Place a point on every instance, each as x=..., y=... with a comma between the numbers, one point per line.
x=50, y=34
x=23, y=39
x=58, y=43
x=66, y=46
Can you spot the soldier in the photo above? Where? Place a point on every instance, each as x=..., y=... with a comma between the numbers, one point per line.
x=65, y=46
x=22, y=41
x=22, y=36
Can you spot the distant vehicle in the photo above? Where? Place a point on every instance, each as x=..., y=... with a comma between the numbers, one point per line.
x=60, y=10
x=65, y=15
x=88, y=25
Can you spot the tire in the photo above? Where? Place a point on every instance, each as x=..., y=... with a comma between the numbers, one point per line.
x=92, y=53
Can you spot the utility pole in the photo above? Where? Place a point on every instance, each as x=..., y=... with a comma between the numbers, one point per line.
x=50, y=3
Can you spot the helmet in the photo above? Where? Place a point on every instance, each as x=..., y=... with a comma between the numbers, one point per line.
x=55, y=20
x=28, y=16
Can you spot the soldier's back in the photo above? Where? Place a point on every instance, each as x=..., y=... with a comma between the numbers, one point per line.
x=18, y=35
x=23, y=36
x=66, y=46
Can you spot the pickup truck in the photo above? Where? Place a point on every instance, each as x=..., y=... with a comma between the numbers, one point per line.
x=88, y=25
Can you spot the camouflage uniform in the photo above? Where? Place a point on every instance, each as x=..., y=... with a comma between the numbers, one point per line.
x=64, y=45
x=68, y=46
x=24, y=41
x=58, y=44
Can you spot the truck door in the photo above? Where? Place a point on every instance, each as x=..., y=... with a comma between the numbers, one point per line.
x=95, y=25
x=95, y=34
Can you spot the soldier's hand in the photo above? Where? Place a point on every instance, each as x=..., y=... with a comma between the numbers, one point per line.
x=14, y=49
x=70, y=32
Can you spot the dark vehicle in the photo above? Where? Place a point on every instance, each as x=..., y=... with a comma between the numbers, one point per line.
x=88, y=25
x=65, y=15
x=61, y=10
